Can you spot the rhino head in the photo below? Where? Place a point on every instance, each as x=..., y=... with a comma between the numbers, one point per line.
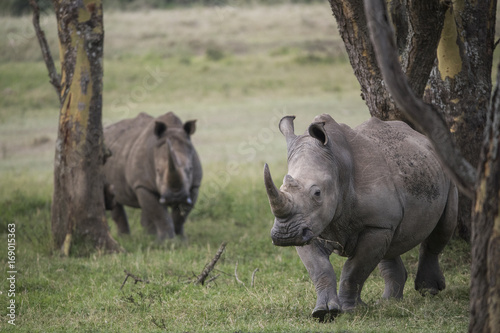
x=173, y=160
x=311, y=194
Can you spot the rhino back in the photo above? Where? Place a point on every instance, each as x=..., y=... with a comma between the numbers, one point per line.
x=419, y=182
x=409, y=156
x=130, y=160
x=121, y=135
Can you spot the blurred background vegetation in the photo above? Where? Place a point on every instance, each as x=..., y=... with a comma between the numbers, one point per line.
x=21, y=7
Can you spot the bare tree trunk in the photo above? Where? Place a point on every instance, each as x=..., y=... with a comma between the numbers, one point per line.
x=485, y=271
x=78, y=212
x=460, y=82
x=460, y=37
x=417, y=37
x=424, y=116
x=485, y=279
x=352, y=27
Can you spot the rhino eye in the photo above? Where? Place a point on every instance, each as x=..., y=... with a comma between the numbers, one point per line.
x=315, y=192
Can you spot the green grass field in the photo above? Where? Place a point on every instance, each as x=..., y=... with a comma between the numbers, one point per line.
x=237, y=70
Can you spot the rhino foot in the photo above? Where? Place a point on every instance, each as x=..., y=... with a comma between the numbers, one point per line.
x=430, y=279
x=430, y=287
x=326, y=313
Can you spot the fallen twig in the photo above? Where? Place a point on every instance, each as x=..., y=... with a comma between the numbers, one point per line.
x=236, y=274
x=210, y=266
x=137, y=279
x=159, y=323
x=212, y=278
x=253, y=276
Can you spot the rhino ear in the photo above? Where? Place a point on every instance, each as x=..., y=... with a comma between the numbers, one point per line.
x=317, y=131
x=160, y=128
x=190, y=127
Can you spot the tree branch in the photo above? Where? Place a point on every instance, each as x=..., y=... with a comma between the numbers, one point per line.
x=253, y=276
x=210, y=266
x=55, y=79
x=422, y=115
x=137, y=279
x=236, y=274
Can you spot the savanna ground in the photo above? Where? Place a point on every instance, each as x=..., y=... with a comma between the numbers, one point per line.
x=237, y=70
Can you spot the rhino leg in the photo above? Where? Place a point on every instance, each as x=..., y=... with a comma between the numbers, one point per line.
x=120, y=217
x=394, y=273
x=154, y=216
x=181, y=212
x=179, y=217
x=316, y=260
x=430, y=278
x=371, y=247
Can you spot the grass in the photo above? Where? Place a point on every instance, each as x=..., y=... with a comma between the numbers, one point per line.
x=237, y=70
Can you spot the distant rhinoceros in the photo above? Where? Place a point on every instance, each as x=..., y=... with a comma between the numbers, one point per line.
x=155, y=167
x=370, y=194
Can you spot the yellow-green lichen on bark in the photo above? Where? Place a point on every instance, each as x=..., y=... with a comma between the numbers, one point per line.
x=349, y=14
x=458, y=5
x=481, y=192
x=75, y=108
x=448, y=51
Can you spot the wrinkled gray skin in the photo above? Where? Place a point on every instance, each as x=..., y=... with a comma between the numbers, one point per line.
x=155, y=167
x=370, y=194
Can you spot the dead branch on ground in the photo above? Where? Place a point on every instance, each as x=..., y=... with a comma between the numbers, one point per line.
x=137, y=279
x=210, y=266
x=213, y=278
x=253, y=276
x=236, y=274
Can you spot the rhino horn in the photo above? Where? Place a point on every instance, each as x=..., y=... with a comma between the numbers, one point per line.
x=286, y=128
x=174, y=177
x=281, y=205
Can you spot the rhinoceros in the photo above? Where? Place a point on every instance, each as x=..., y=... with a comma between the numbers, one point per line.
x=155, y=167
x=369, y=193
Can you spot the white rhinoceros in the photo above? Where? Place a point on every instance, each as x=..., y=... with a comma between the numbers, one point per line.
x=155, y=167
x=370, y=194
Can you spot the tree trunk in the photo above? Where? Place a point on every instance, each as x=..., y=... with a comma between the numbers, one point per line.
x=485, y=271
x=417, y=39
x=485, y=277
x=78, y=212
x=351, y=22
x=460, y=82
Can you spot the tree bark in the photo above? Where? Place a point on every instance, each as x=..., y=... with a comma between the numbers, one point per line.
x=485, y=270
x=351, y=22
x=78, y=211
x=485, y=281
x=423, y=115
x=460, y=37
x=460, y=82
x=417, y=38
